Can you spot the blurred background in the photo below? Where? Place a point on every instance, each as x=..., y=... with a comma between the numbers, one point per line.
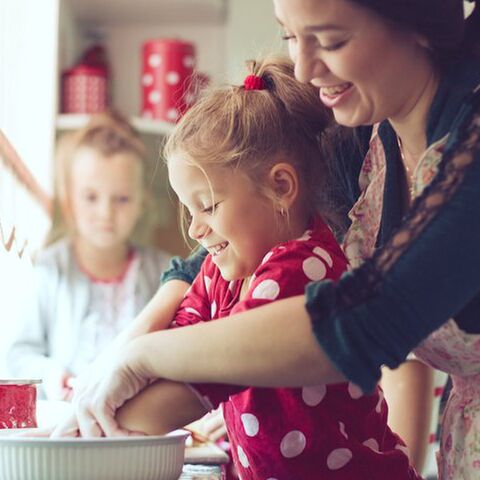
x=62, y=60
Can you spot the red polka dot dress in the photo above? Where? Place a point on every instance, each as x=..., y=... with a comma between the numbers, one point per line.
x=316, y=432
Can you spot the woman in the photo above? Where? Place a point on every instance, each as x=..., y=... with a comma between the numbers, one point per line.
x=406, y=67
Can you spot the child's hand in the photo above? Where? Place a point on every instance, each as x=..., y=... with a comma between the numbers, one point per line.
x=212, y=425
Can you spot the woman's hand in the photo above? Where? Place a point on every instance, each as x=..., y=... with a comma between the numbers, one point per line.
x=96, y=402
x=96, y=406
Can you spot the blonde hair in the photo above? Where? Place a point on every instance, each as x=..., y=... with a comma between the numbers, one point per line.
x=107, y=133
x=246, y=129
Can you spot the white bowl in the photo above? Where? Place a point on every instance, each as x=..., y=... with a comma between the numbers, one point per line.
x=125, y=458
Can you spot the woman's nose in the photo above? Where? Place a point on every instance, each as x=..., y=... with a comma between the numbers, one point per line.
x=308, y=65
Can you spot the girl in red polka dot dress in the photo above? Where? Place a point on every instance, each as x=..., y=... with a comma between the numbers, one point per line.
x=244, y=163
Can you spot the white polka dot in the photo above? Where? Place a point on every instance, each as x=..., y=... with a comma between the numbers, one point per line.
x=314, y=269
x=312, y=396
x=207, y=281
x=266, y=258
x=354, y=391
x=378, y=407
x=372, y=443
x=213, y=309
x=154, y=60
x=250, y=424
x=242, y=457
x=322, y=253
x=154, y=97
x=172, y=78
x=307, y=235
x=267, y=289
x=188, y=61
x=192, y=310
x=402, y=448
x=338, y=458
x=172, y=114
x=293, y=444
x=341, y=427
x=147, y=79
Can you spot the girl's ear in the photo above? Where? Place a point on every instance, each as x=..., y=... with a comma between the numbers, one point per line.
x=283, y=182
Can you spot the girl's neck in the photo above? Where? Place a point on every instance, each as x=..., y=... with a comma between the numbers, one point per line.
x=295, y=228
x=103, y=264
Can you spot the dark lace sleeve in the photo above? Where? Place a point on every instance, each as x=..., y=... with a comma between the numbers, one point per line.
x=185, y=269
x=425, y=274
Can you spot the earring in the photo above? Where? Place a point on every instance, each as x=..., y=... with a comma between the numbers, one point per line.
x=282, y=211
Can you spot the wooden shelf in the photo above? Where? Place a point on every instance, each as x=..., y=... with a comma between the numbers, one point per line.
x=74, y=121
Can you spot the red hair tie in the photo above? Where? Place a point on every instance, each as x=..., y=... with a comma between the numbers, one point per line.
x=254, y=82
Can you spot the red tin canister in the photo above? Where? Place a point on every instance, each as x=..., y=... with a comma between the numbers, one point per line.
x=18, y=403
x=168, y=65
x=84, y=89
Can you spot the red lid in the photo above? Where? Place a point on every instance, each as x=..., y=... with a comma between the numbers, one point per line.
x=83, y=69
x=167, y=43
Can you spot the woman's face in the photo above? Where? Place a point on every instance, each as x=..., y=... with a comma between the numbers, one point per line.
x=366, y=69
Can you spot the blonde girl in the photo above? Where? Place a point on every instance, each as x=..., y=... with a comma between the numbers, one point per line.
x=91, y=280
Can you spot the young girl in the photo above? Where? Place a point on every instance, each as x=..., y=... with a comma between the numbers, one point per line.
x=92, y=282
x=243, y=163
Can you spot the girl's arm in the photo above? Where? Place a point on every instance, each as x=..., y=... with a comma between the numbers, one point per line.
x=409, y=393
x=160, y=408
x=158, y=313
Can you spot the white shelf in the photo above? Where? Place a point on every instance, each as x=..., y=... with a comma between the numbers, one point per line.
x=74, y=121
x=117, y=12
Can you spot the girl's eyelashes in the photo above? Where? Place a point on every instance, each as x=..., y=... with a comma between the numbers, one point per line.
x=210, y=210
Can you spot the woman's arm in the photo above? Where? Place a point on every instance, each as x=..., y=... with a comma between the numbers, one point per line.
x=409, y=393
x=272, y=345
x=374, y=315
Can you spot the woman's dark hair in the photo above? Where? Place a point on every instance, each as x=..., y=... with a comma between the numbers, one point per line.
x=441, y=22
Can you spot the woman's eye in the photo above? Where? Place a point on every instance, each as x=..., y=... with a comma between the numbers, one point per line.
x=333, y=46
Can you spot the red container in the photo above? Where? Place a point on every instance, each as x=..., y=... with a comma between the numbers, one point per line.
x=84, y=89
x=18, y=403
x=168, y=65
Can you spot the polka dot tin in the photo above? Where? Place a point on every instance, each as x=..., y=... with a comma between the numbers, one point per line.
x=167, y=73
